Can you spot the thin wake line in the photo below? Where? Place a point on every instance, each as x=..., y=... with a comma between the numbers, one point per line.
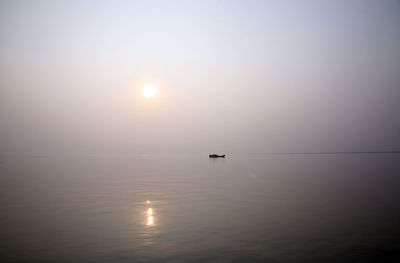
x=317, y=153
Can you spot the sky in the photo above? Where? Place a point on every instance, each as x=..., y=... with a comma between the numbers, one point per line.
x=232, y=76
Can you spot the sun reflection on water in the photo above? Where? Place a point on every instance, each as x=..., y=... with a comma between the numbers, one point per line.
x=149, y=214
x=149, y=211
x=150, y=220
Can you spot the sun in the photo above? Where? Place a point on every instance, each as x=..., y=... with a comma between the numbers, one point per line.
x=149, y=91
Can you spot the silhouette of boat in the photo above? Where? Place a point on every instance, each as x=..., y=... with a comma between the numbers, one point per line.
x=216, y=155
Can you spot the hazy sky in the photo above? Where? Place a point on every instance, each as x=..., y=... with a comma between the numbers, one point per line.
x=232, y=76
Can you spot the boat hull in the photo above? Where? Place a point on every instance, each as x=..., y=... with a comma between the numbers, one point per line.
x=216, y=156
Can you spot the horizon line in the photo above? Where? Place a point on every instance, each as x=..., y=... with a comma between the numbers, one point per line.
x=336, y=152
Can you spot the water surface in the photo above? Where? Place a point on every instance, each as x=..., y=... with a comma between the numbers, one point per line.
x=171, y=208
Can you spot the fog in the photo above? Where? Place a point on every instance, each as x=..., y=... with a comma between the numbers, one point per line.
x=232, y=76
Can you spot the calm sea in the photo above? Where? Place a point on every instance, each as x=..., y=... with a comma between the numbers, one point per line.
x=171, y=208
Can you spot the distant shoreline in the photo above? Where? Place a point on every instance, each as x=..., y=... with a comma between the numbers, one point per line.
x=320, y=153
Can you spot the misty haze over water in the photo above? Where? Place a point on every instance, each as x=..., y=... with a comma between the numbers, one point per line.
x=109, y=111
x=233, y=76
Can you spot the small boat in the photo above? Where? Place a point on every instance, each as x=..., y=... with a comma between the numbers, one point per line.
x=216, y=156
